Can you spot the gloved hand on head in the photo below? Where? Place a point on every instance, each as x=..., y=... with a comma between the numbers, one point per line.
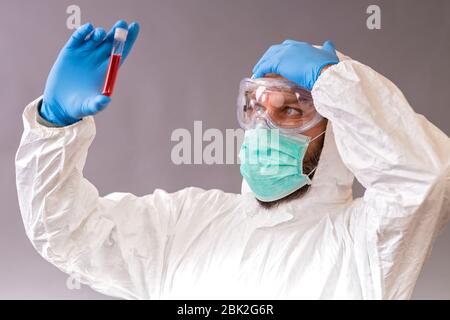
x=299, y=62
x=73, y=88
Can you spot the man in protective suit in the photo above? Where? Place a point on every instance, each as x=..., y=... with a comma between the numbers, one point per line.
x=297, y=235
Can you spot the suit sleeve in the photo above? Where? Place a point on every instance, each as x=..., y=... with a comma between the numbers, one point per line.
x=115, y=244
x=400, y=158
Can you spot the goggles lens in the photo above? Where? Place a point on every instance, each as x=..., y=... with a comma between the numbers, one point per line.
x=279, y=103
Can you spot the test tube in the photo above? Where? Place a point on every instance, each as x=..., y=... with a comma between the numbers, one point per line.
x=120, y=36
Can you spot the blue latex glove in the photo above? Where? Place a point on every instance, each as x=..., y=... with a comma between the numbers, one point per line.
x=73, y=88
x=299, y=62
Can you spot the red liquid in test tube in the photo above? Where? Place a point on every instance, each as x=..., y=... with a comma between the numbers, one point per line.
x=120, y=36
x=111, y=75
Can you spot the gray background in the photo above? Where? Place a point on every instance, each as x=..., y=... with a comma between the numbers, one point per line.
x=185, y=67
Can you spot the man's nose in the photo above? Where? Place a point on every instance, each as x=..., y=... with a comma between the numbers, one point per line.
x=272, y=100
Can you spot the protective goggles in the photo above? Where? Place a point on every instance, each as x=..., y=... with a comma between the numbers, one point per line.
x=275, y=104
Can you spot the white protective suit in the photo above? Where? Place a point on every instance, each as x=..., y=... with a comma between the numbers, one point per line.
x=210, y=244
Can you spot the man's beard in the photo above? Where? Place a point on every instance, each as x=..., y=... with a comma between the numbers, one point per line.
x=309, y=164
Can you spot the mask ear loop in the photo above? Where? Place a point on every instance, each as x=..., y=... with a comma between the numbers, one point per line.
x=312, y=171
x=318, y=136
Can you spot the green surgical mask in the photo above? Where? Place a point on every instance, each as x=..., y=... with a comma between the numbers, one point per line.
x=272, y=163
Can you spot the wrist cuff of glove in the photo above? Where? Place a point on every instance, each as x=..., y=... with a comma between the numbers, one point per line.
x=319, y=71
x=54, y=116
x=328, y=63
x=41, y=120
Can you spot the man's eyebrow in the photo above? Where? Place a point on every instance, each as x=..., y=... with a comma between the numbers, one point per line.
x=291, y=99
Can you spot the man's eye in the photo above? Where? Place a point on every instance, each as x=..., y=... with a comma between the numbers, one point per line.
x=293, y=112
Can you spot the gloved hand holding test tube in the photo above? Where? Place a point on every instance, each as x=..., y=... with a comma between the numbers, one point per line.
x=82, y=78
